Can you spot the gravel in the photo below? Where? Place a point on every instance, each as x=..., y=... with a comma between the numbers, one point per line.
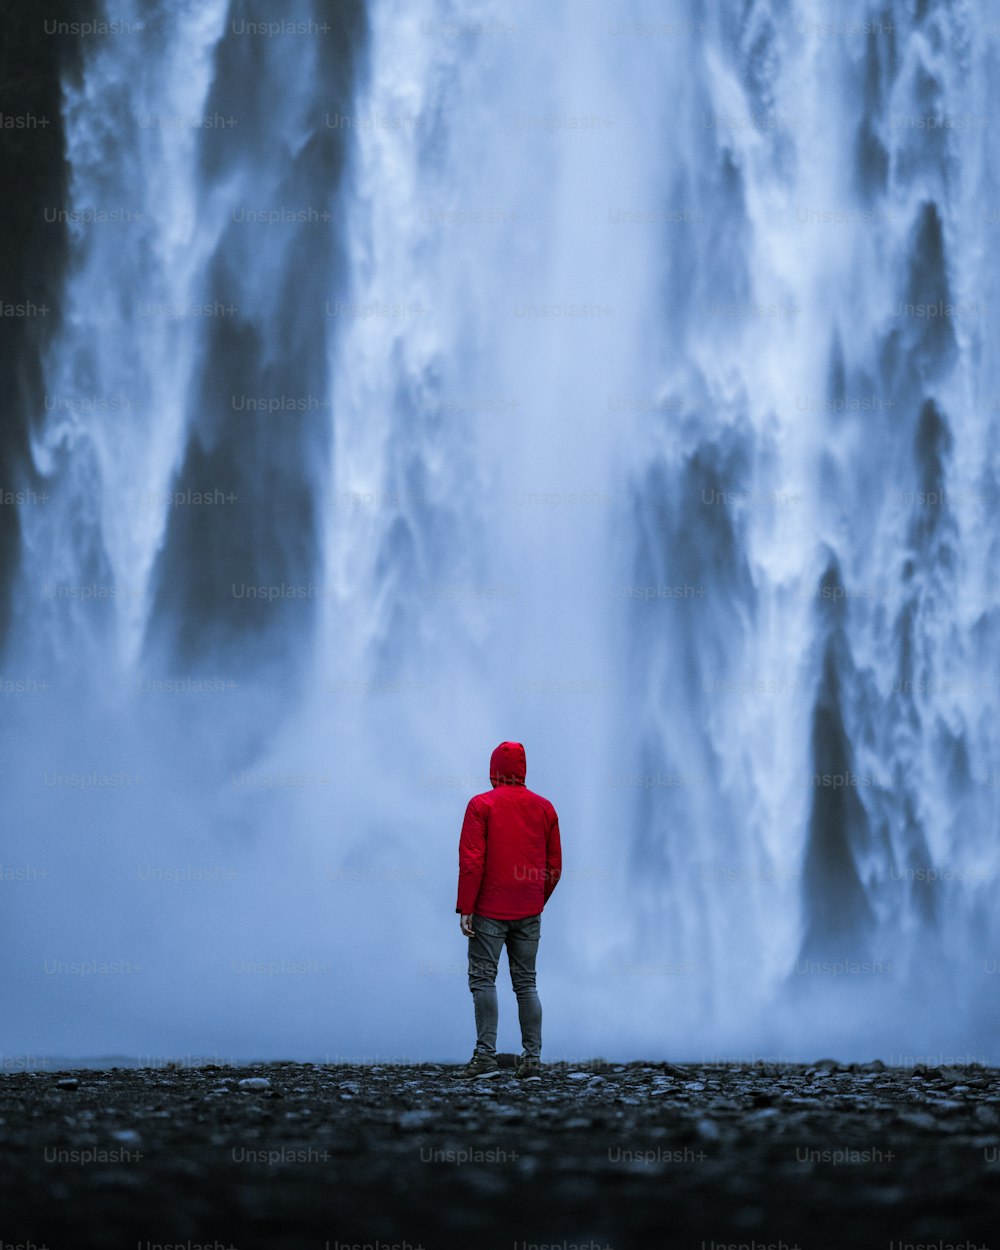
x=596, y=1155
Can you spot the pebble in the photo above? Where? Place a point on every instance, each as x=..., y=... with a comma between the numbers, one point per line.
x=415, y=1119
x=917, y=1119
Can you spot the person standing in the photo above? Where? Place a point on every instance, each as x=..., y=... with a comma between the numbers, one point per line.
x=509, y=862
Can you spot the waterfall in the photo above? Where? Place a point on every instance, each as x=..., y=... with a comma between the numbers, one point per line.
x=613, y=380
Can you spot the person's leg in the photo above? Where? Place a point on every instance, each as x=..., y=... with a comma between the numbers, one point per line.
x=484, y=955
x=522, y=948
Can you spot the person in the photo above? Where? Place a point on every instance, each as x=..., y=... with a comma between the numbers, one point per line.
x=509, y=862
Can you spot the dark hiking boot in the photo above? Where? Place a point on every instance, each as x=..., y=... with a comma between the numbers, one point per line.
x=528, y=1069
x=479, y=1065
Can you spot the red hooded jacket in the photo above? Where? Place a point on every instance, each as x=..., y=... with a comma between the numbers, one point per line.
x=509, y=855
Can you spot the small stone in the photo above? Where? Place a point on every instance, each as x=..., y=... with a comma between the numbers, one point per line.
x=414, y=1119
x=255, y=1082
x=68, y=1082
x=918, y=1119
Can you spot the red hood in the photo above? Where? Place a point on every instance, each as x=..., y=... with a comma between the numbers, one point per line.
x=508, y=765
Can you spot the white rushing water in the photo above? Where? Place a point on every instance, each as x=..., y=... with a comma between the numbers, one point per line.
x=617, y=380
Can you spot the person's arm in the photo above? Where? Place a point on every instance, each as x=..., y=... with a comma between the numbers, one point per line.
x=471, y=860
x=553, y=856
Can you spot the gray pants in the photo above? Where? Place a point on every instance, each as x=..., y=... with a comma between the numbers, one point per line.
x=522, y=938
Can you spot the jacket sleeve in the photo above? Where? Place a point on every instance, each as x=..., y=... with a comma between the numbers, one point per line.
x=553, y=856
x=471, y=857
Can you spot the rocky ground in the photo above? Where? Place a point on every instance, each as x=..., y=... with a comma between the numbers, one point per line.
x=617, y=1156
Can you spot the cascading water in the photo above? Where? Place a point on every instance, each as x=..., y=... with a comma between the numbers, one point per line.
x=615, y=382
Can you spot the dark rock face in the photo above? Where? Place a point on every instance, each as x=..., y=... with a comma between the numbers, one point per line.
x=595, y=1155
